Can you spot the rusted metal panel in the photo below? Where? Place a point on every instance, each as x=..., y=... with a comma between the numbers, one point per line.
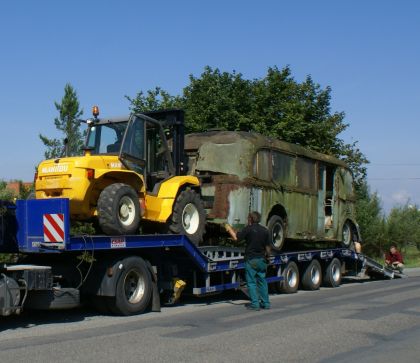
x=233, y=183
x=257, y=141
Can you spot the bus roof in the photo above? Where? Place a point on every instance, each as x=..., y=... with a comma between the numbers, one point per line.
x=195, y=140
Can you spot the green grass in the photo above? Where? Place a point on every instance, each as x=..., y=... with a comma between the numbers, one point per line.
x=411, y=256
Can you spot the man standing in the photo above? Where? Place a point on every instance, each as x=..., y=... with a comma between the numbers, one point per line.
x=394, y=259
x=257, y=248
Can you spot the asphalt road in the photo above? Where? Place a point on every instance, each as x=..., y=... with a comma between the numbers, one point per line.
x=375, y=321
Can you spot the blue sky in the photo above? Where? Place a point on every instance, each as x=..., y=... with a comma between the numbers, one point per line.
x=367, y=51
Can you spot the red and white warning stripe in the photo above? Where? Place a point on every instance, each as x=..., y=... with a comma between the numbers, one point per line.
x=54, y=227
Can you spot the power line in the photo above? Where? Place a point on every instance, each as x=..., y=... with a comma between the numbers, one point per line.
x=393, y=164
x=415, y=178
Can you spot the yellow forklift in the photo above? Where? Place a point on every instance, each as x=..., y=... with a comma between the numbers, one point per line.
x=132, y=170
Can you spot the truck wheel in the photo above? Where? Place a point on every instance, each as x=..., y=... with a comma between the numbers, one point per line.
x=277, y=232
x=134, y=288
x=119, y=209
x=290, y=284
x=312, y=277
x=347, y=235
x=188, y=216
x=332, y=273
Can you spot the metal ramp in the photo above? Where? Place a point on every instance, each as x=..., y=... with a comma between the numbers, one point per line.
x=375, y=269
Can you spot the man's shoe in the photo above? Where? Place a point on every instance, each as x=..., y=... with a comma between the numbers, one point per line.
x=268, y=307
x=251, y=307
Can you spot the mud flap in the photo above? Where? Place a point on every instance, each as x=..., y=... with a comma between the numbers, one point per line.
x=155, y=306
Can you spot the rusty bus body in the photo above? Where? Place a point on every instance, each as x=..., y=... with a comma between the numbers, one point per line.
x=301, y=194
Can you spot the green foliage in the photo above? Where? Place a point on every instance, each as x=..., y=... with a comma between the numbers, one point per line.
x=404, y=226
x=86, y=257
x=156, y=99
x=411, y=256
x=401, y=227
x=218, y=100
x=68, y=124
x=371, y=221
x=5, y=193
x=82, y=228
x=275, y=105
x=9, y=195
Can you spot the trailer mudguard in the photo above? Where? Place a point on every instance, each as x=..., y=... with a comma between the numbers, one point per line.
x=104, y=276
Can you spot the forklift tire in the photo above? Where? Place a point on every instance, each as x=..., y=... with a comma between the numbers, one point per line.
x=290, y=283
x=134, y=288
x=332, y=273
x=312, y=276
x=119, y=210
x=188, y=216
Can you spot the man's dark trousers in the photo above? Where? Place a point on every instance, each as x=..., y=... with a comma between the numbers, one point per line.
x=255, y=270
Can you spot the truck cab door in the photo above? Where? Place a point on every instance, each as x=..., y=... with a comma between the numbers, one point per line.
x=159, y=163
x=132, y=153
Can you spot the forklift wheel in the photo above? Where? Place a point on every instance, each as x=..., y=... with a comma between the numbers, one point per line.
x=119, y=210
x=188, y=216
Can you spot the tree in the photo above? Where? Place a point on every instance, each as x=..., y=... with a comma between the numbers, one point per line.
x=371, y=221
x=275, y=105
x=5, y=193
x=217, y=100
x=156, y=99
x=67, y=122
x=404, y=226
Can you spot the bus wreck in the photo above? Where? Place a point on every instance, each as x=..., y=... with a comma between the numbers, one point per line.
x=302, y=195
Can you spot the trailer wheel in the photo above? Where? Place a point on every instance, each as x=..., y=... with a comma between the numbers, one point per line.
x=134, y=288
x=312, y=276
x=119, y=209
x=277, y=232
x=332, y=273
x=188, y=216
x=290, y=283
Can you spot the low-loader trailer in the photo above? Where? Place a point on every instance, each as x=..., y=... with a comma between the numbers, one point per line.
x=130, y=274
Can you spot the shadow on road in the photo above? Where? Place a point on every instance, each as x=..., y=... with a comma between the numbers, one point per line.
x=32, y=318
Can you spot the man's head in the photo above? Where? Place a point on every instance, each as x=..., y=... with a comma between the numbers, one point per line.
x=254, y=217
x=393, y=248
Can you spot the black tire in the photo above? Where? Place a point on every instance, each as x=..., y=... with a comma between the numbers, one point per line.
x=332, y=273
x=312, y=276
x=119, y=209
x=277, y=232
x=290, y=282
x=188, y=216
x=134, y=288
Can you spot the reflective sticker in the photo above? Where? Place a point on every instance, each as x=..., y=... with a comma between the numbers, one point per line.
x=53, y=227
x=118, y=242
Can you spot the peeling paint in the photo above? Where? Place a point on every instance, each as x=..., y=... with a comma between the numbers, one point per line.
x=241, y=172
